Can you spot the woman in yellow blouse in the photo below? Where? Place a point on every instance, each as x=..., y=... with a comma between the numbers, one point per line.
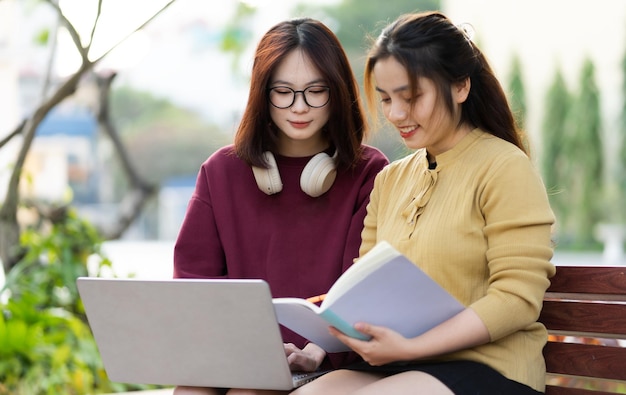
x=468, y=207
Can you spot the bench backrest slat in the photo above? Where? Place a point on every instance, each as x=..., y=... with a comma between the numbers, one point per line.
x=551, y=390
x=585, y=311
x=584, y=316
x=586, y=360
x=610, y=280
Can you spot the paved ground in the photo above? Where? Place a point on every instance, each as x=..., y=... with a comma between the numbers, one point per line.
x=153, y=259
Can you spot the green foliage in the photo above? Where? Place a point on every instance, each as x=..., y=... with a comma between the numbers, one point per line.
x=135, y=109
x=517, y=92
x=555, y=163
x=47, y=273
x=42, y=37
x=621, y=169
x=588, y=165
x=237, y=32
x=165, y=140
x=582, y=151
x=359, y=20
x=46, y=346
x=46, y=351
x=573, y=160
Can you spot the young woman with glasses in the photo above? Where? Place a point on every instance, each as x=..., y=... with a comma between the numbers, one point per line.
x=286, y=202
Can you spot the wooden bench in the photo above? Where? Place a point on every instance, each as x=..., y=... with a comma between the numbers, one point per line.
x=585, y=313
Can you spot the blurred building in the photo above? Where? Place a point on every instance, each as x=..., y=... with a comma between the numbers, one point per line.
x=173, y=199
x=63, y=158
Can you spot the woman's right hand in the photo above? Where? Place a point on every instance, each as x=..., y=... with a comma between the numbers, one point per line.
x=306, y=360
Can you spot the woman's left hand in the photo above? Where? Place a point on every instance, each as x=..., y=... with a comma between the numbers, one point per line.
x=385, y=345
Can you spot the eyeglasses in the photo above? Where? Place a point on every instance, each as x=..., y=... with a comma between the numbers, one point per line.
x=314, y=96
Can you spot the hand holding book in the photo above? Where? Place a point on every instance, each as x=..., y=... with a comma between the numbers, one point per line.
x=382, y=288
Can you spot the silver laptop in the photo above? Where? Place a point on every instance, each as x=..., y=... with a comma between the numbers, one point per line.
x=210, y=333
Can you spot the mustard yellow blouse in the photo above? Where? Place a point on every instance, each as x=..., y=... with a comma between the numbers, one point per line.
x=480, y=225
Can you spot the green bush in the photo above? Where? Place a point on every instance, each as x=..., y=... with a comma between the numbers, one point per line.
x=52, y=262
x=47, y=351
x=46, y=345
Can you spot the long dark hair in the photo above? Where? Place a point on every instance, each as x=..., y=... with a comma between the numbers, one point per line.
x=430, y=45
x=346, y=127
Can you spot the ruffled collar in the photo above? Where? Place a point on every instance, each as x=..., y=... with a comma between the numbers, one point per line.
x=424, y=186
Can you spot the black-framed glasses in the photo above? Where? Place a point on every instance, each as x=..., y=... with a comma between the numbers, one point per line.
x=315, y=96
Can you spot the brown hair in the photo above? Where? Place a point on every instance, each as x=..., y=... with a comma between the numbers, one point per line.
x=346, y=127
x=430, y=45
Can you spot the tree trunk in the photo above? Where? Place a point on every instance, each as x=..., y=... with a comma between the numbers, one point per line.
x=9, y=227
x=140, y=193
x=9, y=237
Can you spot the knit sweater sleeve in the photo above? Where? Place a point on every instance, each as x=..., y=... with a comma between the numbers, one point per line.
x=517, y=229
x=198, y=252
x=368, y=234
x=374, y=161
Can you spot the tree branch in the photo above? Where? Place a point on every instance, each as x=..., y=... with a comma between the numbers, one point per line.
x=137, y=29
x=95, y=23
x=9, y=227
x=15, y=132
x=141, y=191
x=83, y=51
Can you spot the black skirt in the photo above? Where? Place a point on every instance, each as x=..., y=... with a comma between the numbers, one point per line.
x=461, y=377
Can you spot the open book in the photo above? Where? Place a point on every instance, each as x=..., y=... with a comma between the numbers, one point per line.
x=382, y=288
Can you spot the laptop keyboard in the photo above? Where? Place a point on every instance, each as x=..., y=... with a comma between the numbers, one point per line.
x=301, y=378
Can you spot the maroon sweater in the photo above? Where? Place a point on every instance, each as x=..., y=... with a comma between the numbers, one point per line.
x=299, y=244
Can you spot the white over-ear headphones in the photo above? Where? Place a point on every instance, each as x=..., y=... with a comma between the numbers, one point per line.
x=316, y=179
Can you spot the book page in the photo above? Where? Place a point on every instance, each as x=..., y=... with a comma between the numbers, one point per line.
x=380, y=254
x=303, y=318
x=384, y=288
x=397, y=295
